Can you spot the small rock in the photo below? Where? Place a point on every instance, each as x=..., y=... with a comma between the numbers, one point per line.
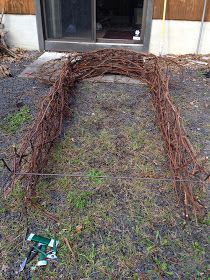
x=4, y=268
x=207, y=148
x=207, y=105
x=19, y=104
x=207, y=74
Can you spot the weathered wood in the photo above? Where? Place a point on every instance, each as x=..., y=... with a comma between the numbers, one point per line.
x=18, y=6
x=176, y=9
x=181, y=10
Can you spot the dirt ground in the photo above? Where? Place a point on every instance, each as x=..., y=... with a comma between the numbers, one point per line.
x=17, y=93
x=116, y=229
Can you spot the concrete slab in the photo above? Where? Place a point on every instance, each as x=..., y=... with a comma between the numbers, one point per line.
x=102, y=79
x=119, y=79
x=126, y=80
x=31, y=70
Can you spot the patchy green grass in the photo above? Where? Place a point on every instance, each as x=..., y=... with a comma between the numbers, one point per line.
x=13, y=122
x=78, y=200
x=116, y=229
x=94, y=176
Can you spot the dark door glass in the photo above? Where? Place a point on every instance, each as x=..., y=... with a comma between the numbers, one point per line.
x=69, y=19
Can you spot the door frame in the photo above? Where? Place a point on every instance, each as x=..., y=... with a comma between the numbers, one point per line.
x=80, y=45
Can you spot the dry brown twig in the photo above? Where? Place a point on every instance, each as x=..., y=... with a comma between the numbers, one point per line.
x=3, y=47
x=69, y=247
x=34, y=149
x=5, y=71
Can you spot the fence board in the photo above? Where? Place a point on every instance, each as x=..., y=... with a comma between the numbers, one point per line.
x=181, y=9
x=18, y=6
x=176, y=9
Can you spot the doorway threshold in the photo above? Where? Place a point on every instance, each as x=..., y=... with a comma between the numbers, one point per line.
x=62, y=46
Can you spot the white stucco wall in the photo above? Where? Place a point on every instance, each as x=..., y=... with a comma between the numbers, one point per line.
x=181, y=37
x=22, y=31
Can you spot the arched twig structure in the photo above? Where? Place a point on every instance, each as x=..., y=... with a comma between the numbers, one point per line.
x=34, y=150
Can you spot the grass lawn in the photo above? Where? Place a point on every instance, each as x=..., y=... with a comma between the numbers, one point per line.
x=116, y=229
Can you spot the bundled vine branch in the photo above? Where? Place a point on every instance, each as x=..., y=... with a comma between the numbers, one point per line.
x=34, y=150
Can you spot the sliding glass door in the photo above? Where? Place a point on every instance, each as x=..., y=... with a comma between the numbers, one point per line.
x=69, y=19
x=82, y=25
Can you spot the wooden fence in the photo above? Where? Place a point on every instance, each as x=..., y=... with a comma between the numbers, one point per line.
x=18, y=6
x=181, y=9
x=176, y=9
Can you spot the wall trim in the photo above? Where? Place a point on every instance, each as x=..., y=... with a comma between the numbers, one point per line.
x=39, y=23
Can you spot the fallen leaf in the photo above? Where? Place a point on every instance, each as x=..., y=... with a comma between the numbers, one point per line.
x=79, y=228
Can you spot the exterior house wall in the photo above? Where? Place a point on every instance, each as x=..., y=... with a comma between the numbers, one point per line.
x=22, y=31
x=181, y=36
x=182, y=27
x=20, y=22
